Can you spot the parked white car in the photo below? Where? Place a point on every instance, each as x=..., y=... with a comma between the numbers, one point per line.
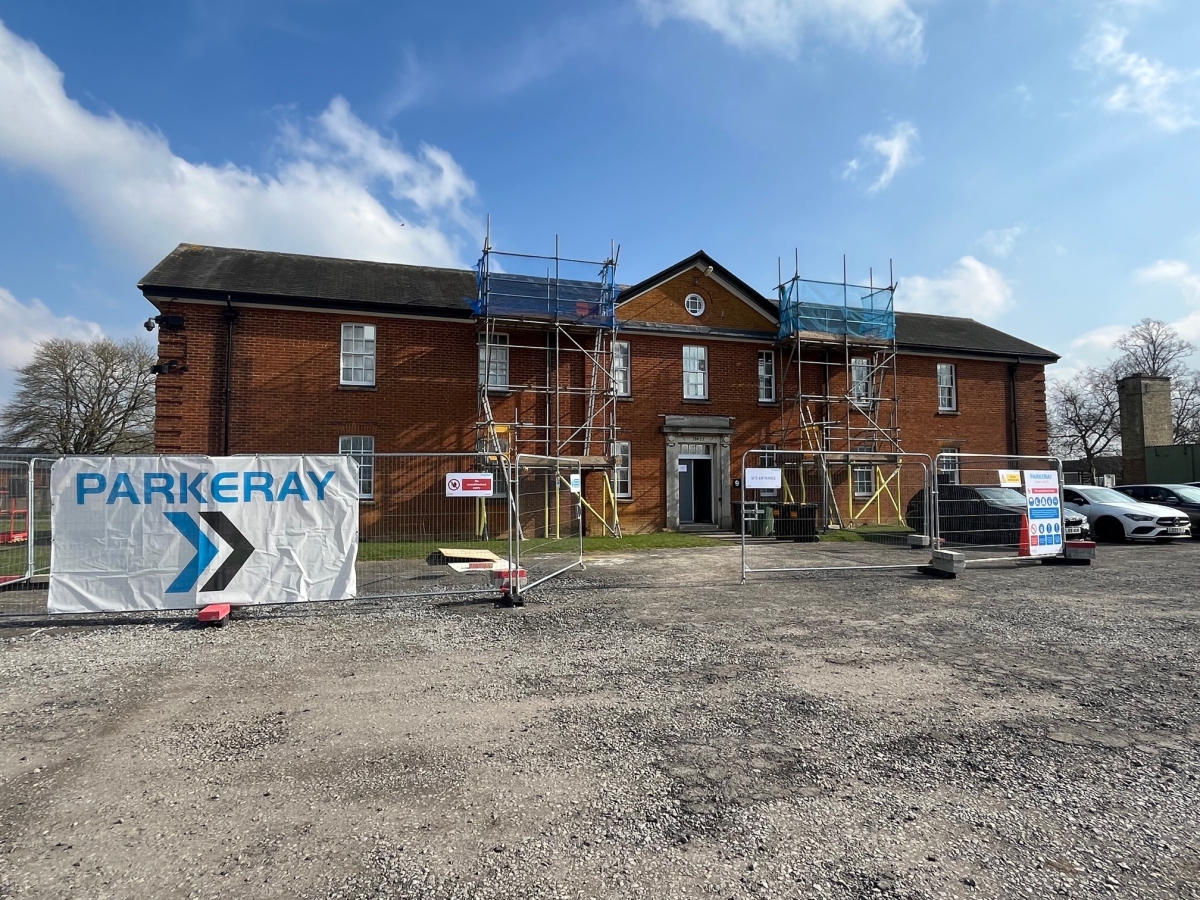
x=1116, y=517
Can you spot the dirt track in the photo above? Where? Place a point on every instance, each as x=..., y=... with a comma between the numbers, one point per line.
x=644, y=728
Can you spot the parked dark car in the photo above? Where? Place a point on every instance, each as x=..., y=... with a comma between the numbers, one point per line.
x=1183, y=497
x=985, y=515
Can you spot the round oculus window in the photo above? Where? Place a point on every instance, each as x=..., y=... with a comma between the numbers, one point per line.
x=694, y=304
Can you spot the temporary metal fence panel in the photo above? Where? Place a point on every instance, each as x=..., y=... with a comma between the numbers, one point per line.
x=549, y=536
x=984, y=510
x=810, y=511
x=15, y=483
x=39, y=520
x=21, y=549
x=433, y=523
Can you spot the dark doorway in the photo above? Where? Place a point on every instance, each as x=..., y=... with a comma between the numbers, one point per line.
x=696, y=491
x=702, y=491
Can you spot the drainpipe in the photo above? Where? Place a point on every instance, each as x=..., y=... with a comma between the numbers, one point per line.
x=229, y=314
x=1014, y=424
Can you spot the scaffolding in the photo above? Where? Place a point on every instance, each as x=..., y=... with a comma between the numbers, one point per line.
x=546, y=385
x=839, y=387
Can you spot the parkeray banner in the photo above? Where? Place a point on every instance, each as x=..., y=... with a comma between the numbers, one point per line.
x=180, y=532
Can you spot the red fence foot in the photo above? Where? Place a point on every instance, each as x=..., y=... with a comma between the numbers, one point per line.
x=216, y=613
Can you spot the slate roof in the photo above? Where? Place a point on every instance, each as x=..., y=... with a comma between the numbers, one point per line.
x=323, y=282
x=919, y=331
x=215, y=273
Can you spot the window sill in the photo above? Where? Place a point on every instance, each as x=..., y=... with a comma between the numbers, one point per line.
x=697, y=400
x=768, y=402
x=357, y=387
x=948, y=412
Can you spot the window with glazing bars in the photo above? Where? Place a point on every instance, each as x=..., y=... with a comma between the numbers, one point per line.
x=358, y=354
x=948, y=466
x=493, y=362
x=695, y=373
x=622, y=470
x=620, y=368
x=947, y=388
x=361, y=447
x=766, y=377
x=860, y=378
x=864, y=481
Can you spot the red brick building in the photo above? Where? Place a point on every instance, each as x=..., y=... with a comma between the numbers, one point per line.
x=278, y=353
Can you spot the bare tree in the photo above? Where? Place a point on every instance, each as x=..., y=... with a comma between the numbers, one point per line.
x=84, y=397
x=1185, y=407
x=1085, y=419
x=1152, y=347
x=1155, y=348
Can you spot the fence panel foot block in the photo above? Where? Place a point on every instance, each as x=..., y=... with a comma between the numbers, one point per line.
x=214, y=614
x=946, y=564
x=1075, y=553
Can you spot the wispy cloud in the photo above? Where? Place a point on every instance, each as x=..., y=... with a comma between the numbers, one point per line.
x=1097, y=346
x=1181, y=276
x=340, y=187
x=1092, y=348
x=782, y=26
x=411, y=87
x=1001, y=241
x=889, y=153
x=1172, y=271
x=24, y=324
x=969, y=288
x=1139, y=85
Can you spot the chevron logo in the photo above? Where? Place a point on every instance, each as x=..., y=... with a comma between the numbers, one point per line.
x=206, y=551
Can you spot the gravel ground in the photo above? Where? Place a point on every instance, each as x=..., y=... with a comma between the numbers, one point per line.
x=644, y=728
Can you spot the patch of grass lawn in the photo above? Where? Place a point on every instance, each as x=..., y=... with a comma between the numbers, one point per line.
x=374, y=551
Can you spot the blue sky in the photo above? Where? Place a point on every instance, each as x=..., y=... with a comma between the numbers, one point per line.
x=1029, y=163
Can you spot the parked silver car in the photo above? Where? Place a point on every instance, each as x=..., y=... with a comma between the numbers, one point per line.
x=1118, y=517
x=1181, y=497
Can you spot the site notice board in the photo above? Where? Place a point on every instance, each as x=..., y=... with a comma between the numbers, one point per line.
x=1044, y=512
x=178, y=532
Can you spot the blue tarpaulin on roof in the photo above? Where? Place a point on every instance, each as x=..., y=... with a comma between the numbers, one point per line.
x=836, y=309
x=530, y=296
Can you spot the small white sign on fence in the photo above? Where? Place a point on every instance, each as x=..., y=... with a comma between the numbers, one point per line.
x=469, y=484
x=576, y=481
x=1045, y=514
x=764, y=479
x=178, y=532
x=1010, y=478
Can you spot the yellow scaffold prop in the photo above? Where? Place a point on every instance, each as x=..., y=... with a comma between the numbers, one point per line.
x=884, y=489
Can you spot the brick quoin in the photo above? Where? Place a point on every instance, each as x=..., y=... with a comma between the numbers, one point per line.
x=286, y=395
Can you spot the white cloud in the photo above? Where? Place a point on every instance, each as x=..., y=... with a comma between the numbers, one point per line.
x=969, y=288
x=1096, y=347
x=1092, y=348
x=1001, y=241
x=24, y=324
x=892, y=152
x=782, y=25
x=1172, y=271
x=1180, y=275
x=1149, y=87
x=324, y=196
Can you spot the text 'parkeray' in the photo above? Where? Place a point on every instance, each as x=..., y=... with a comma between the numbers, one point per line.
x=198, y=487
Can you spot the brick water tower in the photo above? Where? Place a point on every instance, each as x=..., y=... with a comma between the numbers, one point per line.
x=1145, y=402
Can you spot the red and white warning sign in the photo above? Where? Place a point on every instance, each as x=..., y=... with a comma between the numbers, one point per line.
x=469, y=484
